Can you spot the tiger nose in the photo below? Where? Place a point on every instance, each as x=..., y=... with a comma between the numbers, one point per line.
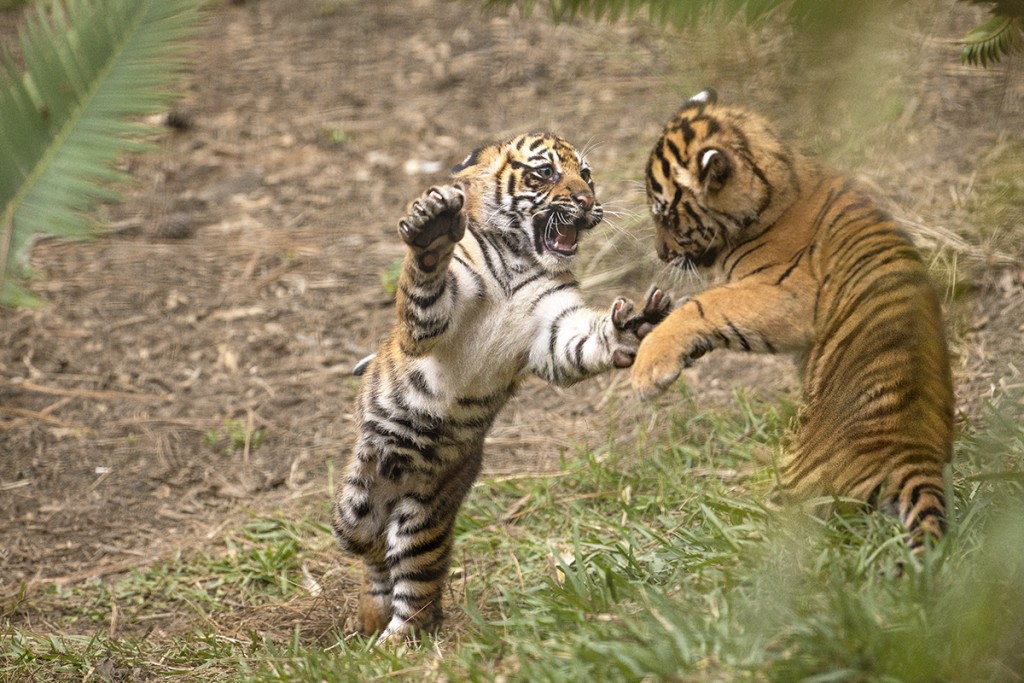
x=584, y=199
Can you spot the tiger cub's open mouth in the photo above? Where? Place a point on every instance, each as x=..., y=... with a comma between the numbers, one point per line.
x=557, y=233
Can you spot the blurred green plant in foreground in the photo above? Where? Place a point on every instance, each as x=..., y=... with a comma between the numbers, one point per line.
x=1001, y=35
x=91, y=68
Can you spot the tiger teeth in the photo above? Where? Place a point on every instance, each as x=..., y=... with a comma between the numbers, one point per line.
x=563, y=239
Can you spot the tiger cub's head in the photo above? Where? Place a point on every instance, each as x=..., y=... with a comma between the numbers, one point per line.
x=534, y=191
x=715, y=174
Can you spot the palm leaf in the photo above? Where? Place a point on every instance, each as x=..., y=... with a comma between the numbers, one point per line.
x=90, y=67
x=990, y=41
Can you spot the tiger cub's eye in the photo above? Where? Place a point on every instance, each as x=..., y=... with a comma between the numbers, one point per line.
x=545, y=172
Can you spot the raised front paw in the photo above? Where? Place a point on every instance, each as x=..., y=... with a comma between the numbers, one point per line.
x=633, y=325
x=657, y=305
x=434, y=221
x=659, y=361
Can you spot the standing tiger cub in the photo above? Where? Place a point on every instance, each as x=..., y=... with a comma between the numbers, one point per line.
x=810, y=265
x=485, y=296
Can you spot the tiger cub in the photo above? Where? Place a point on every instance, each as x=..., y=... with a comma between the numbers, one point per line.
x=812, y=266
x=485, y=297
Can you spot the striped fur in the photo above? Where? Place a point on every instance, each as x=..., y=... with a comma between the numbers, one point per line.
x=809, y=265
x=485, y=297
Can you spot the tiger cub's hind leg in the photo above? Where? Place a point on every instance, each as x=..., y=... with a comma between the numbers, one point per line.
x=914, y=494
x=919, y=501
x=418, y=558
x=360, y=514
x=375, y=609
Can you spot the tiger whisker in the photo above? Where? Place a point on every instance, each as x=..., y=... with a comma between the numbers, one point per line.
x=591, y=145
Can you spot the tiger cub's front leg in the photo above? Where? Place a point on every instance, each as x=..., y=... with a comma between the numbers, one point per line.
x=433, y=226
x=753, y=317
x=579, y=342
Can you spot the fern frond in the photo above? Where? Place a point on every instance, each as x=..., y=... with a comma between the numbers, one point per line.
x=992, y=40
x=90, y=66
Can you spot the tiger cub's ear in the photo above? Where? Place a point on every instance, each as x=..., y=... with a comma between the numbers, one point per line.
x=715, y=169
x=705, y=97
x=471, y=160
x=699, y=102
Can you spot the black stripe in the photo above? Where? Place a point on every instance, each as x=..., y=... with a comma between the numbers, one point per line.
x=570, y=284
x=428, y=300
x=533, y=277
x=471, y=269
x=795, y=262
x=578, y=354
x=360, y=483
x=486, y=401
x=672, y=147
x=486, y=249
x=744, y=344
x=350, y=545
x=410, y=598
x=666, y=168
x=474, y=423
x=700, y=308
x=833, y=196
x=394, y=437
x=742, y=256
x=419, y=383
x=886, y=284
x=556, y=324
x=689, y=210
x=429, y=575
x=422, y=548
x=393, y=465
x=489, y=250
x=869, y=264
x=419, y=318
x=750, y=239
x=497, y=180
x=424, y=334
x=922, y=488
x=687, y=132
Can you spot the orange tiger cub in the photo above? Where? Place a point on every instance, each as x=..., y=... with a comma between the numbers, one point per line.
x=808, y=265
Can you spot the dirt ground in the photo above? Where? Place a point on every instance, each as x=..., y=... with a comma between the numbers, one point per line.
x=192, y=367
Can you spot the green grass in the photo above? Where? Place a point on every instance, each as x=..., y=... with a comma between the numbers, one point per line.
x=996, y=203
x=652, y=562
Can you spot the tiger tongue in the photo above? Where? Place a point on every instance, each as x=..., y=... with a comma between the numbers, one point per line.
x=562, y=237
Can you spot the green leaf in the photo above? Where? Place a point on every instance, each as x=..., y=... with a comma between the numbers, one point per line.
x=90, y=66
x=992, y=40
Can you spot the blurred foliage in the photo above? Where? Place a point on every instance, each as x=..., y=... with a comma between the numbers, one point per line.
x=92, y=67
x=1002, y=34
x=989, y=42
x=686, y=13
